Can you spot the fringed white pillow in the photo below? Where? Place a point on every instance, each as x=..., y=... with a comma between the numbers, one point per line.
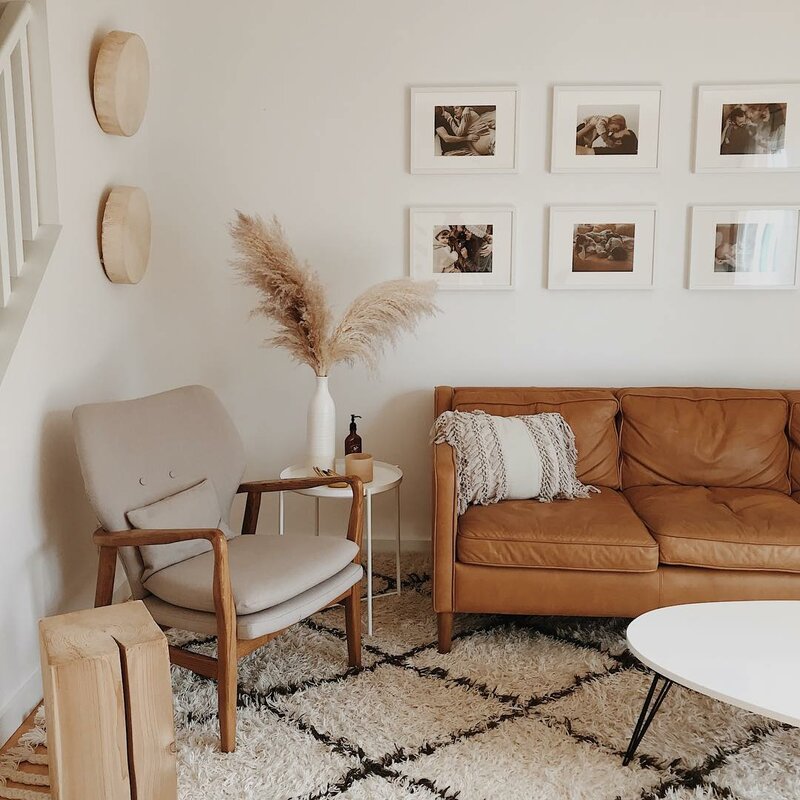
x=511, y=458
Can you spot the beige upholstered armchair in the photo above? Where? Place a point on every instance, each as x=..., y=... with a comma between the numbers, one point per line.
x=161, y=473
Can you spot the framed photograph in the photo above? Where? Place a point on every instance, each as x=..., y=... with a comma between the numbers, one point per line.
x=601, y=247
x=736, y=247
x=463, y=248
x=462, y=130
x=748, y=128
x=606, y=129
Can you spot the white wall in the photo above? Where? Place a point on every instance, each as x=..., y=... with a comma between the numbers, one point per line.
x=301, y=109
x=82, y=341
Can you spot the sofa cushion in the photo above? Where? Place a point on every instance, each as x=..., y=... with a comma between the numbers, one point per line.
x=600, y=533
x=721, y=528
x=794, y=434
x=704, y=437
x=591, y=413
x=265, y=571
x=196, y=507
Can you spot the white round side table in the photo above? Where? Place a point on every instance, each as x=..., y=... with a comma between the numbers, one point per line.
x=385, y=477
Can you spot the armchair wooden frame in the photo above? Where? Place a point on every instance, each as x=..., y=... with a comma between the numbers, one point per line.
x=230, y=648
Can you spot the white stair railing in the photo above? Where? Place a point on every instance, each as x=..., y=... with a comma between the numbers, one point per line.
x=18, y=197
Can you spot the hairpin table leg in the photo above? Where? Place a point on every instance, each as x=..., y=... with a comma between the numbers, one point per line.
x=646, y=716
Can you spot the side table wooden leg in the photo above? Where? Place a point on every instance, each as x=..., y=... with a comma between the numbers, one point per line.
x=369, y=563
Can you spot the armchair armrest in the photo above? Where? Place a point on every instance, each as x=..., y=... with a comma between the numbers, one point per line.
x=445, y=522
x=138, y=537
x=224, y=607
x=254, y=490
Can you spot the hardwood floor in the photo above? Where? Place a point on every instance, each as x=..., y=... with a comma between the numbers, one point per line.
x=33, y=769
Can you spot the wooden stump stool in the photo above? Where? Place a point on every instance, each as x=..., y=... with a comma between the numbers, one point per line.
x=108, y=702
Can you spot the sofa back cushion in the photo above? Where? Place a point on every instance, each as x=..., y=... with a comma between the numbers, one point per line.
x=704, y=437
x=794, y=435
x=591, y=413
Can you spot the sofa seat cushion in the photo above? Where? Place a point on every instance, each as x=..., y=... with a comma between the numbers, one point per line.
x=600, y=533
x=265, y=571
x=721, y=528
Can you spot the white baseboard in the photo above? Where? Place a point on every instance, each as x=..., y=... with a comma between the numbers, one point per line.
x=26, y=698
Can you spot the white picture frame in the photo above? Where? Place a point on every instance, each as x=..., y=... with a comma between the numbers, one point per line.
x=431, y=257
x=761, y=146
x=602, y=247
x=577, y=106
x=745, y=247
x=497, y=147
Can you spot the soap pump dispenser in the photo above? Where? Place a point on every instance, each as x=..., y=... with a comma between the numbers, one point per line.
x=352, y=444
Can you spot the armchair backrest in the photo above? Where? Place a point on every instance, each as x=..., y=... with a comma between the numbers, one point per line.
x=136, y=452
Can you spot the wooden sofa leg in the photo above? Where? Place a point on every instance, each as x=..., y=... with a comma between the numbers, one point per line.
x=445, y=624
x=352, y=622
x=106, y=571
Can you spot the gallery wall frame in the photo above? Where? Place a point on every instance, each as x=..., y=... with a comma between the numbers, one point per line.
x=484, y=139
x=606, y=128
x=748, y=128
x=745, y=247
x=464, y=248
x=602, y=247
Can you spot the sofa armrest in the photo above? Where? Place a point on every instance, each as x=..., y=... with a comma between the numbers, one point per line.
x=445, y=521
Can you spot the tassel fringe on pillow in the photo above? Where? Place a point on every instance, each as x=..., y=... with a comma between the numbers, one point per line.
x=481, y=463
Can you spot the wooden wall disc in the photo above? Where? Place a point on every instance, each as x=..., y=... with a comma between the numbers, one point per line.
x=125, y=237
x=121, y=83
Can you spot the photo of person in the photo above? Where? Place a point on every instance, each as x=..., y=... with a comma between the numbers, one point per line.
x=462, y=248
x=603, y=247
x=753, y=129
x=607, y=130
x=465, y=130
x=745, y=247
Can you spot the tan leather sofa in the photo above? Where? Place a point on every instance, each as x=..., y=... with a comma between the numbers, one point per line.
x=700, y=501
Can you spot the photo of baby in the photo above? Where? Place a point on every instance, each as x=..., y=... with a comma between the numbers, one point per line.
x=753, y=129
x=603, y=247
x=465, y=130
x=462, y=248
x=745, y=247
x=607, y=130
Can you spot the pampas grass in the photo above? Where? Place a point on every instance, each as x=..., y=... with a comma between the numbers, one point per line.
x=293, y=298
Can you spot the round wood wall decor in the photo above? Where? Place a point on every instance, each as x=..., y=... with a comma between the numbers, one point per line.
x=125, y=237
x=121, y=83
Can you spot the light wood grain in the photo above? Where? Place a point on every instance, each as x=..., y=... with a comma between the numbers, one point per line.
x=125, y=235
x=121, y=83
x=108, y=701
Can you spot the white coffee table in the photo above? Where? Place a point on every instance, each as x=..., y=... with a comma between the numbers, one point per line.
x=385, y=477
x=744, y=653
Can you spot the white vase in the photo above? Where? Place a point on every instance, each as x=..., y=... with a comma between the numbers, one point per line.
x=321, y=428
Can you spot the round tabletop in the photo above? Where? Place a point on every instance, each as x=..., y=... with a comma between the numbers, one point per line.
x=385, y=476
x=746, y=653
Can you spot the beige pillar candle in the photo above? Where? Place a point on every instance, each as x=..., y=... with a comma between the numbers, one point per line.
x=359, y=465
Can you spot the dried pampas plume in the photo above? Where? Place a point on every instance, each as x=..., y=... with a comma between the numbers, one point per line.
x=293, y=297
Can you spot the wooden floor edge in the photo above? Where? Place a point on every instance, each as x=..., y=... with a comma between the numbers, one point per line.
x=27, y=725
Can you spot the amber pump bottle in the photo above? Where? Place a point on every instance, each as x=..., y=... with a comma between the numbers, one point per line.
x=352, y=444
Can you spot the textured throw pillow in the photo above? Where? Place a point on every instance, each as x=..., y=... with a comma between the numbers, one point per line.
x=196, y=507
x=511, y=458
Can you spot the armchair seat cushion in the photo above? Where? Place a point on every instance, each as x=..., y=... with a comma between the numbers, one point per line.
x=265, y=572
x=599, y=533
x=721, y=528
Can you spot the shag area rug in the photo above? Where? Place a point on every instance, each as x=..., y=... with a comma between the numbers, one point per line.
x=523, y=708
